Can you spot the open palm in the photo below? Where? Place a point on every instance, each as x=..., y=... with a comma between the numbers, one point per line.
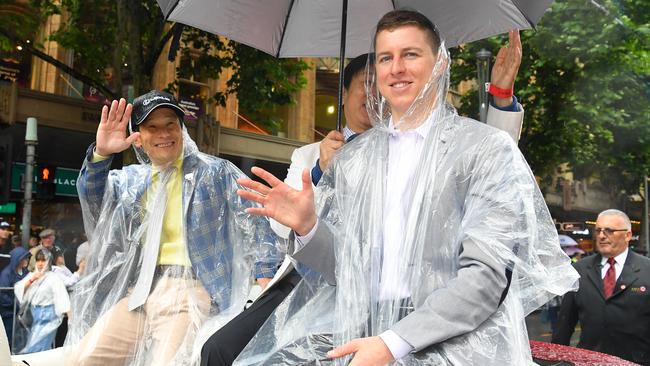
x=507, y=62
x=288, y=206
x=111, y=134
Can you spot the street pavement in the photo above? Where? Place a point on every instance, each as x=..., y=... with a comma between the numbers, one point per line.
x=539, y=328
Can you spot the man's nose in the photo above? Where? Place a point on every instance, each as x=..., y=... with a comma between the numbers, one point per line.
x=397, y=66
x=162, y=132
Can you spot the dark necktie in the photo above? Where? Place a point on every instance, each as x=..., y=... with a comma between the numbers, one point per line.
x=610, y=278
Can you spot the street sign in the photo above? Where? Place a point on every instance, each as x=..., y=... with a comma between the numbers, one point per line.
x=8, y=208
x=18, y=178
x=65, y=179
x=66, y=182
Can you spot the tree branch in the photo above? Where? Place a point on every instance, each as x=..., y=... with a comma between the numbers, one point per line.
x=109, y=94
x=153, y=56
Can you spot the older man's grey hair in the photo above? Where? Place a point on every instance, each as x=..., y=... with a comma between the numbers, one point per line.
x=619, y=213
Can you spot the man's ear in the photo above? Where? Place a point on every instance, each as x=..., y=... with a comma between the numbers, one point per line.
x=137, y=142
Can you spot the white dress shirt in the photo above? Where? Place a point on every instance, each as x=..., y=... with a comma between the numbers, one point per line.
x=347, y=132
x=618, y=266
x=404, y=149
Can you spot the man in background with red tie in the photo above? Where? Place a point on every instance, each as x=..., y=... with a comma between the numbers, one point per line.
x=613, y=301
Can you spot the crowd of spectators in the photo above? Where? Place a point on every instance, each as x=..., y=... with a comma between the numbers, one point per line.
x=35, y=282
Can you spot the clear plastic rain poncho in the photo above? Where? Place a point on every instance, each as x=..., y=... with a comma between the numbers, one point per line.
x=47, y=300
x=123, y=215
x=471, y=211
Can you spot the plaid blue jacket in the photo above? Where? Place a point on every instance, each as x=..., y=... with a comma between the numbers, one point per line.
x=215, y=220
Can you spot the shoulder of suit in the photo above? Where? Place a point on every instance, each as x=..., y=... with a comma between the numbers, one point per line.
x=471, y=130
x=309, y=147
x=584, y=263
x=639, y=259
x=309, y=152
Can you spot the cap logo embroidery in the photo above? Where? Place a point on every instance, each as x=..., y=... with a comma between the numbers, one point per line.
x=157, y=97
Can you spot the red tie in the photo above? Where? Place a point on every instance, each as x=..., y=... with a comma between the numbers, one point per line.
x=610, y=278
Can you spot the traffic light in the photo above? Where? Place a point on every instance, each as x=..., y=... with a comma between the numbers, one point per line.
x=5, y=168
x=45, y=186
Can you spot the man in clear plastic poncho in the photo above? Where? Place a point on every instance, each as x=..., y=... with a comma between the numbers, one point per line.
x=430, y=240
x=170, y=241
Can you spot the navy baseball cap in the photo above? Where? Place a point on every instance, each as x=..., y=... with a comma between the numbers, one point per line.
x=147, y=103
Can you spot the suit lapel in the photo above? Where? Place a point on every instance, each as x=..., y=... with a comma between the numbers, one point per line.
x=629, y=275
x=594, y=274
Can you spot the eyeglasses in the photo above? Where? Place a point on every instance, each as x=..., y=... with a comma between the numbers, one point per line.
x=607, y=231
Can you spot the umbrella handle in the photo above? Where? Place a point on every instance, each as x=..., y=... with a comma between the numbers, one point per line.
x=344, y=23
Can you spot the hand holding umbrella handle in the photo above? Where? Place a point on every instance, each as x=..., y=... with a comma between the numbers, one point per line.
x=329, y=147
x=290, y=207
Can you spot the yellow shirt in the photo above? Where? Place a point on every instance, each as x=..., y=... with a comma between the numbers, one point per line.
x=173, y=249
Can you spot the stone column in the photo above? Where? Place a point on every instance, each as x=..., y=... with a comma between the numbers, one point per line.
x=46, y=77
x=301, y=119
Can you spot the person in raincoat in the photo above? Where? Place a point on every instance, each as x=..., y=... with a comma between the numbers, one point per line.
x=429, y=241
x=44, y=293
x=170, y=243
x=223, y=347
x=14, y=272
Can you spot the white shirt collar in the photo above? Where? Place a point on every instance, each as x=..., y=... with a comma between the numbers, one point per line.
x=620, y=259
x=422, y=130
x=347, y=132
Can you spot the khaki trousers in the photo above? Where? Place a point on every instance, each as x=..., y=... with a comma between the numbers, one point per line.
x=162, y=329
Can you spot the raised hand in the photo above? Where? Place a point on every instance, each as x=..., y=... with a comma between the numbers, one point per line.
x=279, y=201
x=506, y=67
x=111, y=133
x=37, y=275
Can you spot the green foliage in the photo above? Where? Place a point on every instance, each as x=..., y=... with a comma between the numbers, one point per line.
x=22, y=21
x=262, y=81
x=117, y=43
x=584, y=83
x=91, y=33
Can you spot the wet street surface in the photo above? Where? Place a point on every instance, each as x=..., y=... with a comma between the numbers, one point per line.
x=539, y=328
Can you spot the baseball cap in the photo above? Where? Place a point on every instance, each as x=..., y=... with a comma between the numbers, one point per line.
x=45, y=233
x=147, y=103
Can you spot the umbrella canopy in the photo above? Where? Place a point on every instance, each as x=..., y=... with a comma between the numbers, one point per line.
x=571, y=251
x=312, y=28
x=567, y=241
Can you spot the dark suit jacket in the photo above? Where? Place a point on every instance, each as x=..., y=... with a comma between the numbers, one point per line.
x=618, y=326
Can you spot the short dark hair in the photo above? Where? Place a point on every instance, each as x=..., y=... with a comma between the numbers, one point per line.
x=56, y=252
x=355, y=66
x=399, y=18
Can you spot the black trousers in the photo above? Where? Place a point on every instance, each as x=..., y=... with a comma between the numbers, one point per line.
x=223, y=347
